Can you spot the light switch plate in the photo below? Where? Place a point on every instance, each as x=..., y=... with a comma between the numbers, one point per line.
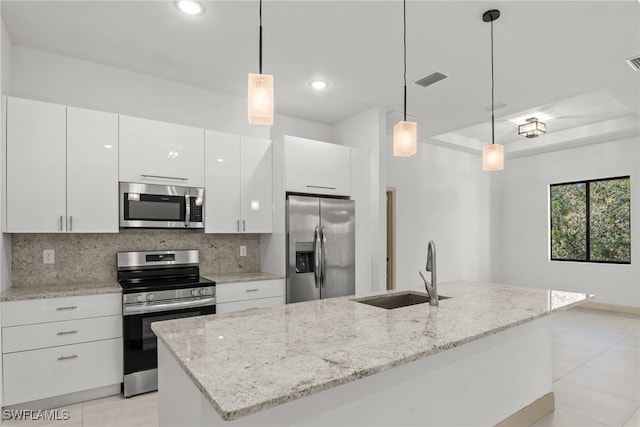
x=49, y=256
x=243, y=251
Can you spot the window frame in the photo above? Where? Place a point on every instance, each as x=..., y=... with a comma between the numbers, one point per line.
x=587, y=183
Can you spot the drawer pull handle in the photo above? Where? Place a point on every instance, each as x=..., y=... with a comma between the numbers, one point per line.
x=253, y=290
x=75, y=356
x=67, y=332
x=71, y=307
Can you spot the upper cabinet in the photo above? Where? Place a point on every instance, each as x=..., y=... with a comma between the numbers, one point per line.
x=238, y=184
x=161, y=153
x=317, y=167
x=62, y=168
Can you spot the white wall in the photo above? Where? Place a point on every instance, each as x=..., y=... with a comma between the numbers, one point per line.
x=524, y=248
x=365, y=133
x=64, y=80
x=441, y=195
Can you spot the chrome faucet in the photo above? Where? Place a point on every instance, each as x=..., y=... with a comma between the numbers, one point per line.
x=432, y=289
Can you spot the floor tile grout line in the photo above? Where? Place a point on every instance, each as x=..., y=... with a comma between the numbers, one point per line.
x=583, y=416
x=631, y=416
x=636, y=402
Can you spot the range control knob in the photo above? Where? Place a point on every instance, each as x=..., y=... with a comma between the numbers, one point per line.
x=203, y=291
x=194, y=292
x=150, y=297
x=139, y=298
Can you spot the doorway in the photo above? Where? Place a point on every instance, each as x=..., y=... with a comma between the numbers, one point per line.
x=391, y=238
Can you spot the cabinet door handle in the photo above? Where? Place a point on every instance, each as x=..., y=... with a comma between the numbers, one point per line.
x=321, y=186
x=60, y=222
x=70, y=222
x=73, y=356
x=70, y=307
x=238, y=226
x=244, y=226
x=253, y=290
x=67, y=332
x=164, y=177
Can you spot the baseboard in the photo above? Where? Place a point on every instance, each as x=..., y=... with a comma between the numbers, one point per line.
x=68, y=399
x=530, y=413
x=616, y=308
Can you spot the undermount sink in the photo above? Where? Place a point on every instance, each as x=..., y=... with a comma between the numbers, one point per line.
x=398, y=300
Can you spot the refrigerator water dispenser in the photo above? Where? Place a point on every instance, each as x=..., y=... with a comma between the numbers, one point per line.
x=304, y=257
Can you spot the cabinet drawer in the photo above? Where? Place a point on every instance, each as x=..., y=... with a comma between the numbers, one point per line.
x=28, y=312
x=228, y=307
x=42, y=335
x=38, y=374
x=228, y=292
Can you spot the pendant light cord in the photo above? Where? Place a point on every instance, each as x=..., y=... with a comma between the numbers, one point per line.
x=404, y=39
x=260, y=60
x=493, y=136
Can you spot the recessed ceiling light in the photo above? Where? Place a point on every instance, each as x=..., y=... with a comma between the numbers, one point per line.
x=318, y=84
x=190, y=7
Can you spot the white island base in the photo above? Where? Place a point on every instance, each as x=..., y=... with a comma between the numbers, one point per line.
x=480, y=383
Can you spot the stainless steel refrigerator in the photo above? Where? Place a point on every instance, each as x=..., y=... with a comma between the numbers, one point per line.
x=320, y=248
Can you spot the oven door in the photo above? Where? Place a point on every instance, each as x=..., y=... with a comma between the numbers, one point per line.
x=140, y=346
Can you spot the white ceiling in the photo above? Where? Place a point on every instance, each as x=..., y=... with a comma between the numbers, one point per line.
x=559, y=53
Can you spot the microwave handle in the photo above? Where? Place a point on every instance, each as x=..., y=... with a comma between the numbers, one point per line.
x=187, y=209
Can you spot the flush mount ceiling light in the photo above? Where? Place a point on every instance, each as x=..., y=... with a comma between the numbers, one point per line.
x=260, y=93
x=532, y=129
x=492, y=154
x=190, y=7
x=405, y=134
x=318, y=84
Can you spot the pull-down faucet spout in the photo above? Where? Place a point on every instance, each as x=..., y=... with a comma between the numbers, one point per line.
x=432, y=288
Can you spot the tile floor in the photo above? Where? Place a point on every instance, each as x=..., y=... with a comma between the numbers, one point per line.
x=596, y=374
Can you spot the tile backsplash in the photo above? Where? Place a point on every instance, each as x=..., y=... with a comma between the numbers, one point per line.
x=92, y=257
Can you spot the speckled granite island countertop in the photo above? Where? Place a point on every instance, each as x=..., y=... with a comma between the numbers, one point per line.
x=59, y=290
x=248, y=361
x=240, y=277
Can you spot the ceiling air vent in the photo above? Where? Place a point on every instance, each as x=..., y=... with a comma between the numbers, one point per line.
x=634, y=62
x=430, y=79
x=495, y=106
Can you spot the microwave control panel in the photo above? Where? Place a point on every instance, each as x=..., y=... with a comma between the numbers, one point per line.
x=196, y=211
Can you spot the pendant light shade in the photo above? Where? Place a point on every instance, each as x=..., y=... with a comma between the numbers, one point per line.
x=405, y=134
x=405, y=138
x=492, y=157
x=260, y=99
x=492, y=154
x=260, y=91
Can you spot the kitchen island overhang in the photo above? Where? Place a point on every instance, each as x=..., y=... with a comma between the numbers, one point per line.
x=477, y=358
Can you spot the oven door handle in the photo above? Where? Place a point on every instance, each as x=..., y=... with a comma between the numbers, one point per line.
x=128, y=310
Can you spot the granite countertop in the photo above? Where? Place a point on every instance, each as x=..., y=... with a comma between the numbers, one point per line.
x=18, y=293
x=248, y=361
x=240, y=277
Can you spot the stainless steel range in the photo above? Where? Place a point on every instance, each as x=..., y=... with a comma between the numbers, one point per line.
x=157, y=285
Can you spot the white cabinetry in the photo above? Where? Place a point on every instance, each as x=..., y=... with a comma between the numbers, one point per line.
x=161, y=153
x=62, y=168
x=57, y=346
x=238, y=184
x=317, y=167
x=241, y=296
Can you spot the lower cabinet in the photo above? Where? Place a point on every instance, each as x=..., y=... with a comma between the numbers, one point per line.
x=244, y=295
x=75, y=346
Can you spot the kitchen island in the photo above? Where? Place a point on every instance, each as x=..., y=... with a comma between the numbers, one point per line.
x=481, y=356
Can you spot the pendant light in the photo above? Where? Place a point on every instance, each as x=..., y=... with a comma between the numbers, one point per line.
x=492, y=154
x=405, y=134
x=260, y=93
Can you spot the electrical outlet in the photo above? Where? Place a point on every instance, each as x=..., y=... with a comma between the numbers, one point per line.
x=243, y=251
x=49, y=256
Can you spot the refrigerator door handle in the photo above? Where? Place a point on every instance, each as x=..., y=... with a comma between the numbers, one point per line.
x=316, y=257
x=323, y=271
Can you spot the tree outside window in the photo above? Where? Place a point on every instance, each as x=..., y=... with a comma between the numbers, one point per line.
x=591, y=221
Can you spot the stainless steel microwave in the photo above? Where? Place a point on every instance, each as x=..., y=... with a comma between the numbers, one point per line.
x=161, y=206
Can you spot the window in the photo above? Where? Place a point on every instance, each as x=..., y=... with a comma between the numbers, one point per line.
x=591, y=221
